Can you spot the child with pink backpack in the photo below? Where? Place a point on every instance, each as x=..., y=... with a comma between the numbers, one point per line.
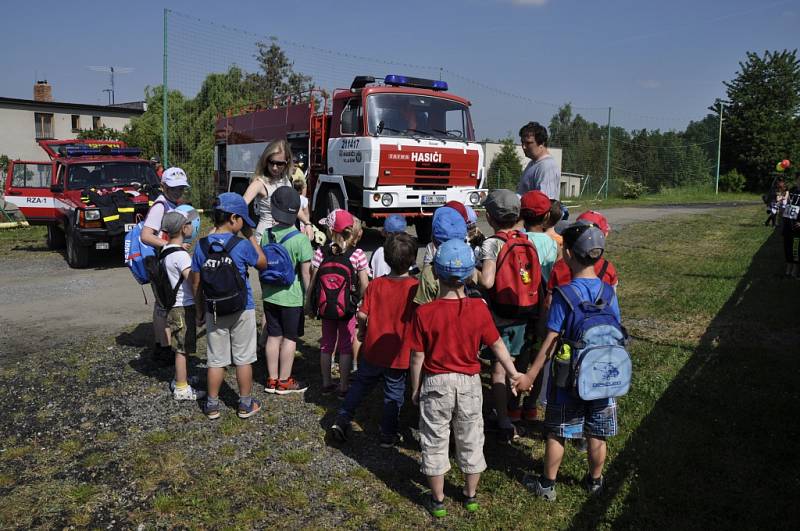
x=339, y=278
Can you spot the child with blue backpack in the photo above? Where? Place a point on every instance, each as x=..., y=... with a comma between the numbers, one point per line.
x=219, y=277
x=287, y=250
x=590, y=365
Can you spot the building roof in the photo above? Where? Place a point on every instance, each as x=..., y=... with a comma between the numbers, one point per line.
x=127, y=109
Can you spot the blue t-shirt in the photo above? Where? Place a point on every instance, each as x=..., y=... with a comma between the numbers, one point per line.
x=589, y=289
x=243, y=255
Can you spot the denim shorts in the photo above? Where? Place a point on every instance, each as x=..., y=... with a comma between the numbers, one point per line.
x=513, y=336
x=574, y=420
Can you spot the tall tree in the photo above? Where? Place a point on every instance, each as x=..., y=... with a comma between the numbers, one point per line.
x=763, y=115
x=277, y=78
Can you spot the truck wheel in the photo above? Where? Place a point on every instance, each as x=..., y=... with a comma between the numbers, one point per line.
x=239, y=187
x=55, y=237
x=77, y=254
x=424, y=228
x=332, y=200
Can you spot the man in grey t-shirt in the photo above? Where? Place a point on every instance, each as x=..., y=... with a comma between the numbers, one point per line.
x=542, y=173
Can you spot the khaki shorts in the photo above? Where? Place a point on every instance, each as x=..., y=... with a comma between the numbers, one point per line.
x=445, y=400
x=181, y=321
x=232, y=339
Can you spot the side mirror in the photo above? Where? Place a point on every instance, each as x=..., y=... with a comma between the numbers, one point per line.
x=56, y=188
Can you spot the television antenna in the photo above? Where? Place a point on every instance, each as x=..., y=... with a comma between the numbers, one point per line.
x=112, y=71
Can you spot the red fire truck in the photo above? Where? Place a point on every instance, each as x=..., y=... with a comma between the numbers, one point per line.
x=404, y=146
x=89, y=194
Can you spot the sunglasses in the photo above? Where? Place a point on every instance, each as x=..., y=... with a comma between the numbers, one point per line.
x=278, y=163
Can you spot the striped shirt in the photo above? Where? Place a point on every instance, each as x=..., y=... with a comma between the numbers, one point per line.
x=358, y=260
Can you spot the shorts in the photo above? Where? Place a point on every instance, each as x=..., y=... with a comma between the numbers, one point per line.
x=578, y=419
x=338, y=335
x=445, y=401
x=181, y=321
x=513, y=337
x=159, y=324
x=284, y=321
x=232, y=339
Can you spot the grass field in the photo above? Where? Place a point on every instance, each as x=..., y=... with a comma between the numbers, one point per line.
x=708, y=431
x=671, y=196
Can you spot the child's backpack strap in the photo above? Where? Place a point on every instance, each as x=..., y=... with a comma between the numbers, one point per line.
x=606, y=294
x=571, y=296
x=603, y=269
x=288, y=236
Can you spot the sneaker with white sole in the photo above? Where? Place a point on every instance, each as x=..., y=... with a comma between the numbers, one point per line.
x=191, y=380
x=247, y=412
x=188, y=393
x=534, y=485
x=285, y=387
x=593, y=486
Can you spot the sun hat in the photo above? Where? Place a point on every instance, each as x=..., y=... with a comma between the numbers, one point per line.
x=459, y=207
x=233, y=203
x=535, y=202
x=173, y=221
x=454, y=259
x=193, y=217
x=284, y=205
x=174, y=177
x=583, y=238
x=395, y=223
x=597, y=219
x=472, y=216
x=338, y=220
x=502, y=204
x=448, y=225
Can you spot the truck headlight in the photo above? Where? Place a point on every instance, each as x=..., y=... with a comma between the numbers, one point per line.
x=387, y=200
x=474, y=198
x=92, y=215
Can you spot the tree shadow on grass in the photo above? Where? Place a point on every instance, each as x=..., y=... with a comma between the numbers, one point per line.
x=718, y=449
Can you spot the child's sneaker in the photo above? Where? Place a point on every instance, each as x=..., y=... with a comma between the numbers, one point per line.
x=471, y=503
x=188, y=393
x=272, y=385
x=436, y=508
x=391, y=441
x=285, y=387
x=211, y=411
x=593, y=485
x=534, y=485
x=191, y=380
x=340, y=430
x=247, y=412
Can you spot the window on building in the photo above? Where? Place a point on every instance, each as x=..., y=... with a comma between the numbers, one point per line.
x=96, y=122
x=76, y=123
x=44, y=125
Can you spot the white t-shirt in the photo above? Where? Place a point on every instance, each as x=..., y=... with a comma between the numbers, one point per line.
x=303, y=201
x=160, y=206
x=378, y=265
x=176, y=263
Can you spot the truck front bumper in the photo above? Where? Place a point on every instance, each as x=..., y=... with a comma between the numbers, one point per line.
x=401, y=198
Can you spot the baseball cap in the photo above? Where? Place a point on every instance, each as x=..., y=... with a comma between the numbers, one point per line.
x=535, y=202
x=597, y=219
x=448, y=225
x=454, y=259
x=472, y=216
x=502, y=204
x=395, y=223
x=284, y=205
x=233, y=203
x=174, y=176
x=338, y=220
x=173, y=221
x=459, y=207
x=192, y=217
x=582, y=238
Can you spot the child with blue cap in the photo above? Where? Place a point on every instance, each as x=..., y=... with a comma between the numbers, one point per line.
x=448, y=224
x=394, y=224
x=445, y=374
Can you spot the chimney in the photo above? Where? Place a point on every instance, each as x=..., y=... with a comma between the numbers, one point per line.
x=42, y=91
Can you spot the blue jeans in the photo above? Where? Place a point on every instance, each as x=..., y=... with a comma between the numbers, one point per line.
x=394, y=391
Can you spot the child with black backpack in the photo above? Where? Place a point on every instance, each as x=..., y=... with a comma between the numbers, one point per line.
x=339, y=278
x=169, y=277
x=219, y=268
x=590, y=365
x=289, y=255
x=511, y=274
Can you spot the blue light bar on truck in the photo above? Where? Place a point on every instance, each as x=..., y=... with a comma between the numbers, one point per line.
x=405, y=81
x=104, y=151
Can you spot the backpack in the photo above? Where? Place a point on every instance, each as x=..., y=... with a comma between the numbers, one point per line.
x=164, y=292
x=334, y=289
x=280, y=269
x=223, y=286
x=600, y=366
x=135, y=251
x=518, y=279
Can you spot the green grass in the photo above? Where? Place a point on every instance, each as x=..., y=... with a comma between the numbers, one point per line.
x=669, y=196
x=707, y=432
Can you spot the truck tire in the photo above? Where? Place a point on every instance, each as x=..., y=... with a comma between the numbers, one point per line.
x=239, y=187
x=55, y=237
x=332, y=199
x=424, y=228
x=77, y=254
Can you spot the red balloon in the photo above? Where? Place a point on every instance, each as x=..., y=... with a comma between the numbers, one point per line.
x=786, y=163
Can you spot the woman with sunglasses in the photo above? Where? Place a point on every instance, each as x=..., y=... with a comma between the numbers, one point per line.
x=274, y=169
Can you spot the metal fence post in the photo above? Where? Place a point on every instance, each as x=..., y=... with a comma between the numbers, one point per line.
x=608, y=153
x=164, y=100
x=719, y=147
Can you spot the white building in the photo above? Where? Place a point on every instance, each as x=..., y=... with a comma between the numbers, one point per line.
x=23, y=122
x=570, y=183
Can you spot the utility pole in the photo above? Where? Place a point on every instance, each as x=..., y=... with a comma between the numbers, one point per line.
x=719, y=147
x=608, y=153
x=164, y=134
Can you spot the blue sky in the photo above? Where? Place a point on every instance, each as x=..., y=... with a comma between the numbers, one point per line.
x=658, y=64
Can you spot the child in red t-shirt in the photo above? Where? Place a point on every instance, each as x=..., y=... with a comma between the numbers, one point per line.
x=445, y=374
x=383, y=318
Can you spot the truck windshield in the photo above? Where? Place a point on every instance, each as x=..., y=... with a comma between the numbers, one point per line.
x=418, y=116
x=110, y=174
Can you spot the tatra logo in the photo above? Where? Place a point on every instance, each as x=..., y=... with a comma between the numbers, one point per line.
x=426, y=157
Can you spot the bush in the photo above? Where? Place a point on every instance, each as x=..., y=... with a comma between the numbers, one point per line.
x=733, y=181
x=632, y=190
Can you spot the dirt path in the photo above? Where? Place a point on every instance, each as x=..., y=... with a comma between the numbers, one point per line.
x=43, y=300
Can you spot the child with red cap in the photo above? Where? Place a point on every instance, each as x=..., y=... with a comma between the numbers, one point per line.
x=339, y=278
x=605, y=270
